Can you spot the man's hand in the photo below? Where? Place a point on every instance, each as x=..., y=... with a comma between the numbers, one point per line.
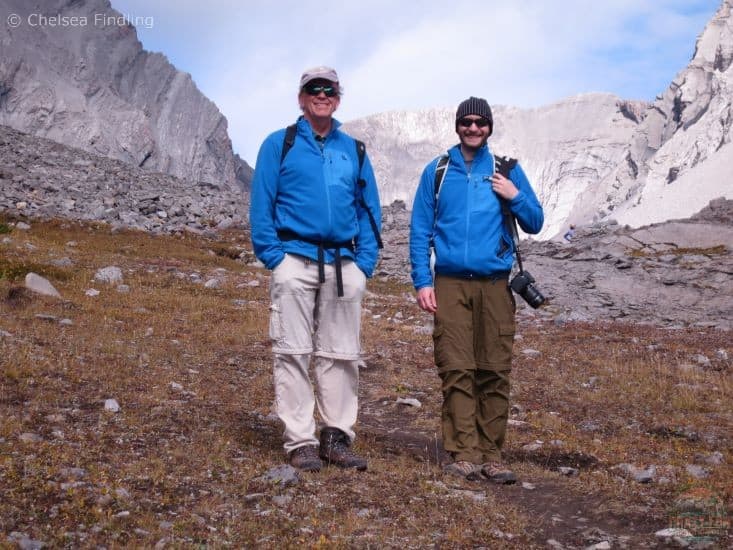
x=426, y=299
x=503, y=187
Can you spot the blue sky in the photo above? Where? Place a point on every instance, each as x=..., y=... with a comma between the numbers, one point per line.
x=247, y=56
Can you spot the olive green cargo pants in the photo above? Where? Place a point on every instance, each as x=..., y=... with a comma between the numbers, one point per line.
x=473, y=339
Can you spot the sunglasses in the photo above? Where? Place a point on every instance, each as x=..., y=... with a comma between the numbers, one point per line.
x=316, y=89
x=467, y=122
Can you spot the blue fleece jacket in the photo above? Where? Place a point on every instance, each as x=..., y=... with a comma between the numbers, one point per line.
x=313, y=194
x=469, y=233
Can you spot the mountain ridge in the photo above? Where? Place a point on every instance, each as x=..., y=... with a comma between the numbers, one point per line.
x=95, y=87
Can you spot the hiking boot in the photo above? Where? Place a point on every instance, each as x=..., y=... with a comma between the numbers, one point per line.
x=464, y=469
x=498, y=473
x=305, y=458
x=335, y=450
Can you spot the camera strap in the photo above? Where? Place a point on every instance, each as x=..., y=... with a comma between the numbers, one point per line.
x=511, y=225
x=504, y=165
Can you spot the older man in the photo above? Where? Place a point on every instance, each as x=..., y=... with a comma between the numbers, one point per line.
x=315, y=220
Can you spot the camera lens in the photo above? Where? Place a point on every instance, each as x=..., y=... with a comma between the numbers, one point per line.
x=533, y=296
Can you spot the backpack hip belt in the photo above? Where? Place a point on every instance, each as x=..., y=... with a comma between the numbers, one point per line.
x=286, y=235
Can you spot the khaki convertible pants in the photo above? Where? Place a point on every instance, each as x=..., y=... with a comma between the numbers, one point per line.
x=308, y=318
x=473, y=338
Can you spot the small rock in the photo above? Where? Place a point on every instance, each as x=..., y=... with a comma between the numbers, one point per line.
x=568, y=471
x=714, y=459
x=29, y=437
x=409, y=401
x=123, y=289
x=38, y=284
x=529, y=352
x=111, y=275
x=66, y=322
x=283, y=475
x=254, y=283
x=175, y=386
x=212, y=283
x=111, y=405
x=671, y=532
x=696, y=471
x=92, y=292
x=721, y=354
x=528, y=486
x=72, y=473
x=534, y=446
x=22, y=226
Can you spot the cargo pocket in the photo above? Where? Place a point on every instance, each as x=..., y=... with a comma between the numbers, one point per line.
x=276, y=324
x=438, y=351
x=503, y=358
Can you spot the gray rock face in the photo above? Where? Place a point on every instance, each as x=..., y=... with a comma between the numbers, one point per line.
x=92, y=86
x=564, y=147
x=680, y=156
x=42, y=178
x=672, y=274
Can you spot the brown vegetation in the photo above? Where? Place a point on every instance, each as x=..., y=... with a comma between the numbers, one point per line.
x=190, y=368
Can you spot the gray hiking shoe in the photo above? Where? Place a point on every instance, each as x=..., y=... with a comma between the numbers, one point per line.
x=464, y=469
x=335, y=450
x=498, y=473
x=305, y=458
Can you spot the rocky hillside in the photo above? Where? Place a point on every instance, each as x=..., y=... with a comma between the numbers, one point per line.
x=42, y=178
x=674, y=274
x=91, y=85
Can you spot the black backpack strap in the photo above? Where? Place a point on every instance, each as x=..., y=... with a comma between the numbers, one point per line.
x=290, y=133
x=440, y=169
x=361, y=153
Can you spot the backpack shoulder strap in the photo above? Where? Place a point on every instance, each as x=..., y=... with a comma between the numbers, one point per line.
x=440, y=169
x=290, y=133
x=361, y=153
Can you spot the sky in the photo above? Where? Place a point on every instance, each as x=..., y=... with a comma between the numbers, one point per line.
x=247, y=56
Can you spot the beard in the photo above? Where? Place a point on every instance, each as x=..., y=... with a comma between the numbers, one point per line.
x=473, y=148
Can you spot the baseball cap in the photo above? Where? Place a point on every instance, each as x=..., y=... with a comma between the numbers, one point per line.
x=326, y=73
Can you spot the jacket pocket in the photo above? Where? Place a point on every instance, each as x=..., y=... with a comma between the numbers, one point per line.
x=504, y=247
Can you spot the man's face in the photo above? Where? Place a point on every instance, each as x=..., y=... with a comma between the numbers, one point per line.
x=473, y=131
x=319, y=99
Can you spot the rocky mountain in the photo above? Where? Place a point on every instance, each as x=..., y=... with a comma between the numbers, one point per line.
x=74, y=71
x=680, y=157
x=563, y=147
x=593, y=156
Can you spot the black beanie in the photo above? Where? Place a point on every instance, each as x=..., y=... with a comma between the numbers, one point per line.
x=475, y=106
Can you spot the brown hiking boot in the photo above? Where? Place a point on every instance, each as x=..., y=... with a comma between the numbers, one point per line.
x=335, y=450
x=305, y=458
x=498, y=473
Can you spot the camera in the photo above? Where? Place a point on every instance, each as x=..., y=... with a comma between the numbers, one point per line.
x=522, y=285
